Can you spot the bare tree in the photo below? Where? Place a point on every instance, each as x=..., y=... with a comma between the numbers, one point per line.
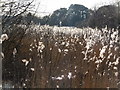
x=13, y=13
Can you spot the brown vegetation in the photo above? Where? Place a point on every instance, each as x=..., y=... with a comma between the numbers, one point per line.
x=61, y=60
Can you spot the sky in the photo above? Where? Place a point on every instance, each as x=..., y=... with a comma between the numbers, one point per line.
x=48, y=6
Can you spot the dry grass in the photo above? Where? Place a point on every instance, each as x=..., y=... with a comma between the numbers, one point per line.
x=79, y=59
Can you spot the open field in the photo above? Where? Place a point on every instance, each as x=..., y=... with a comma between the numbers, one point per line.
x=63, y=57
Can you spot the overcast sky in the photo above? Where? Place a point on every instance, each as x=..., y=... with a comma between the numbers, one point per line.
x=52, y=5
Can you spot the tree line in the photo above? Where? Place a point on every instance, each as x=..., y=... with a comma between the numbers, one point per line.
x=75, y=16
x=80, y=16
